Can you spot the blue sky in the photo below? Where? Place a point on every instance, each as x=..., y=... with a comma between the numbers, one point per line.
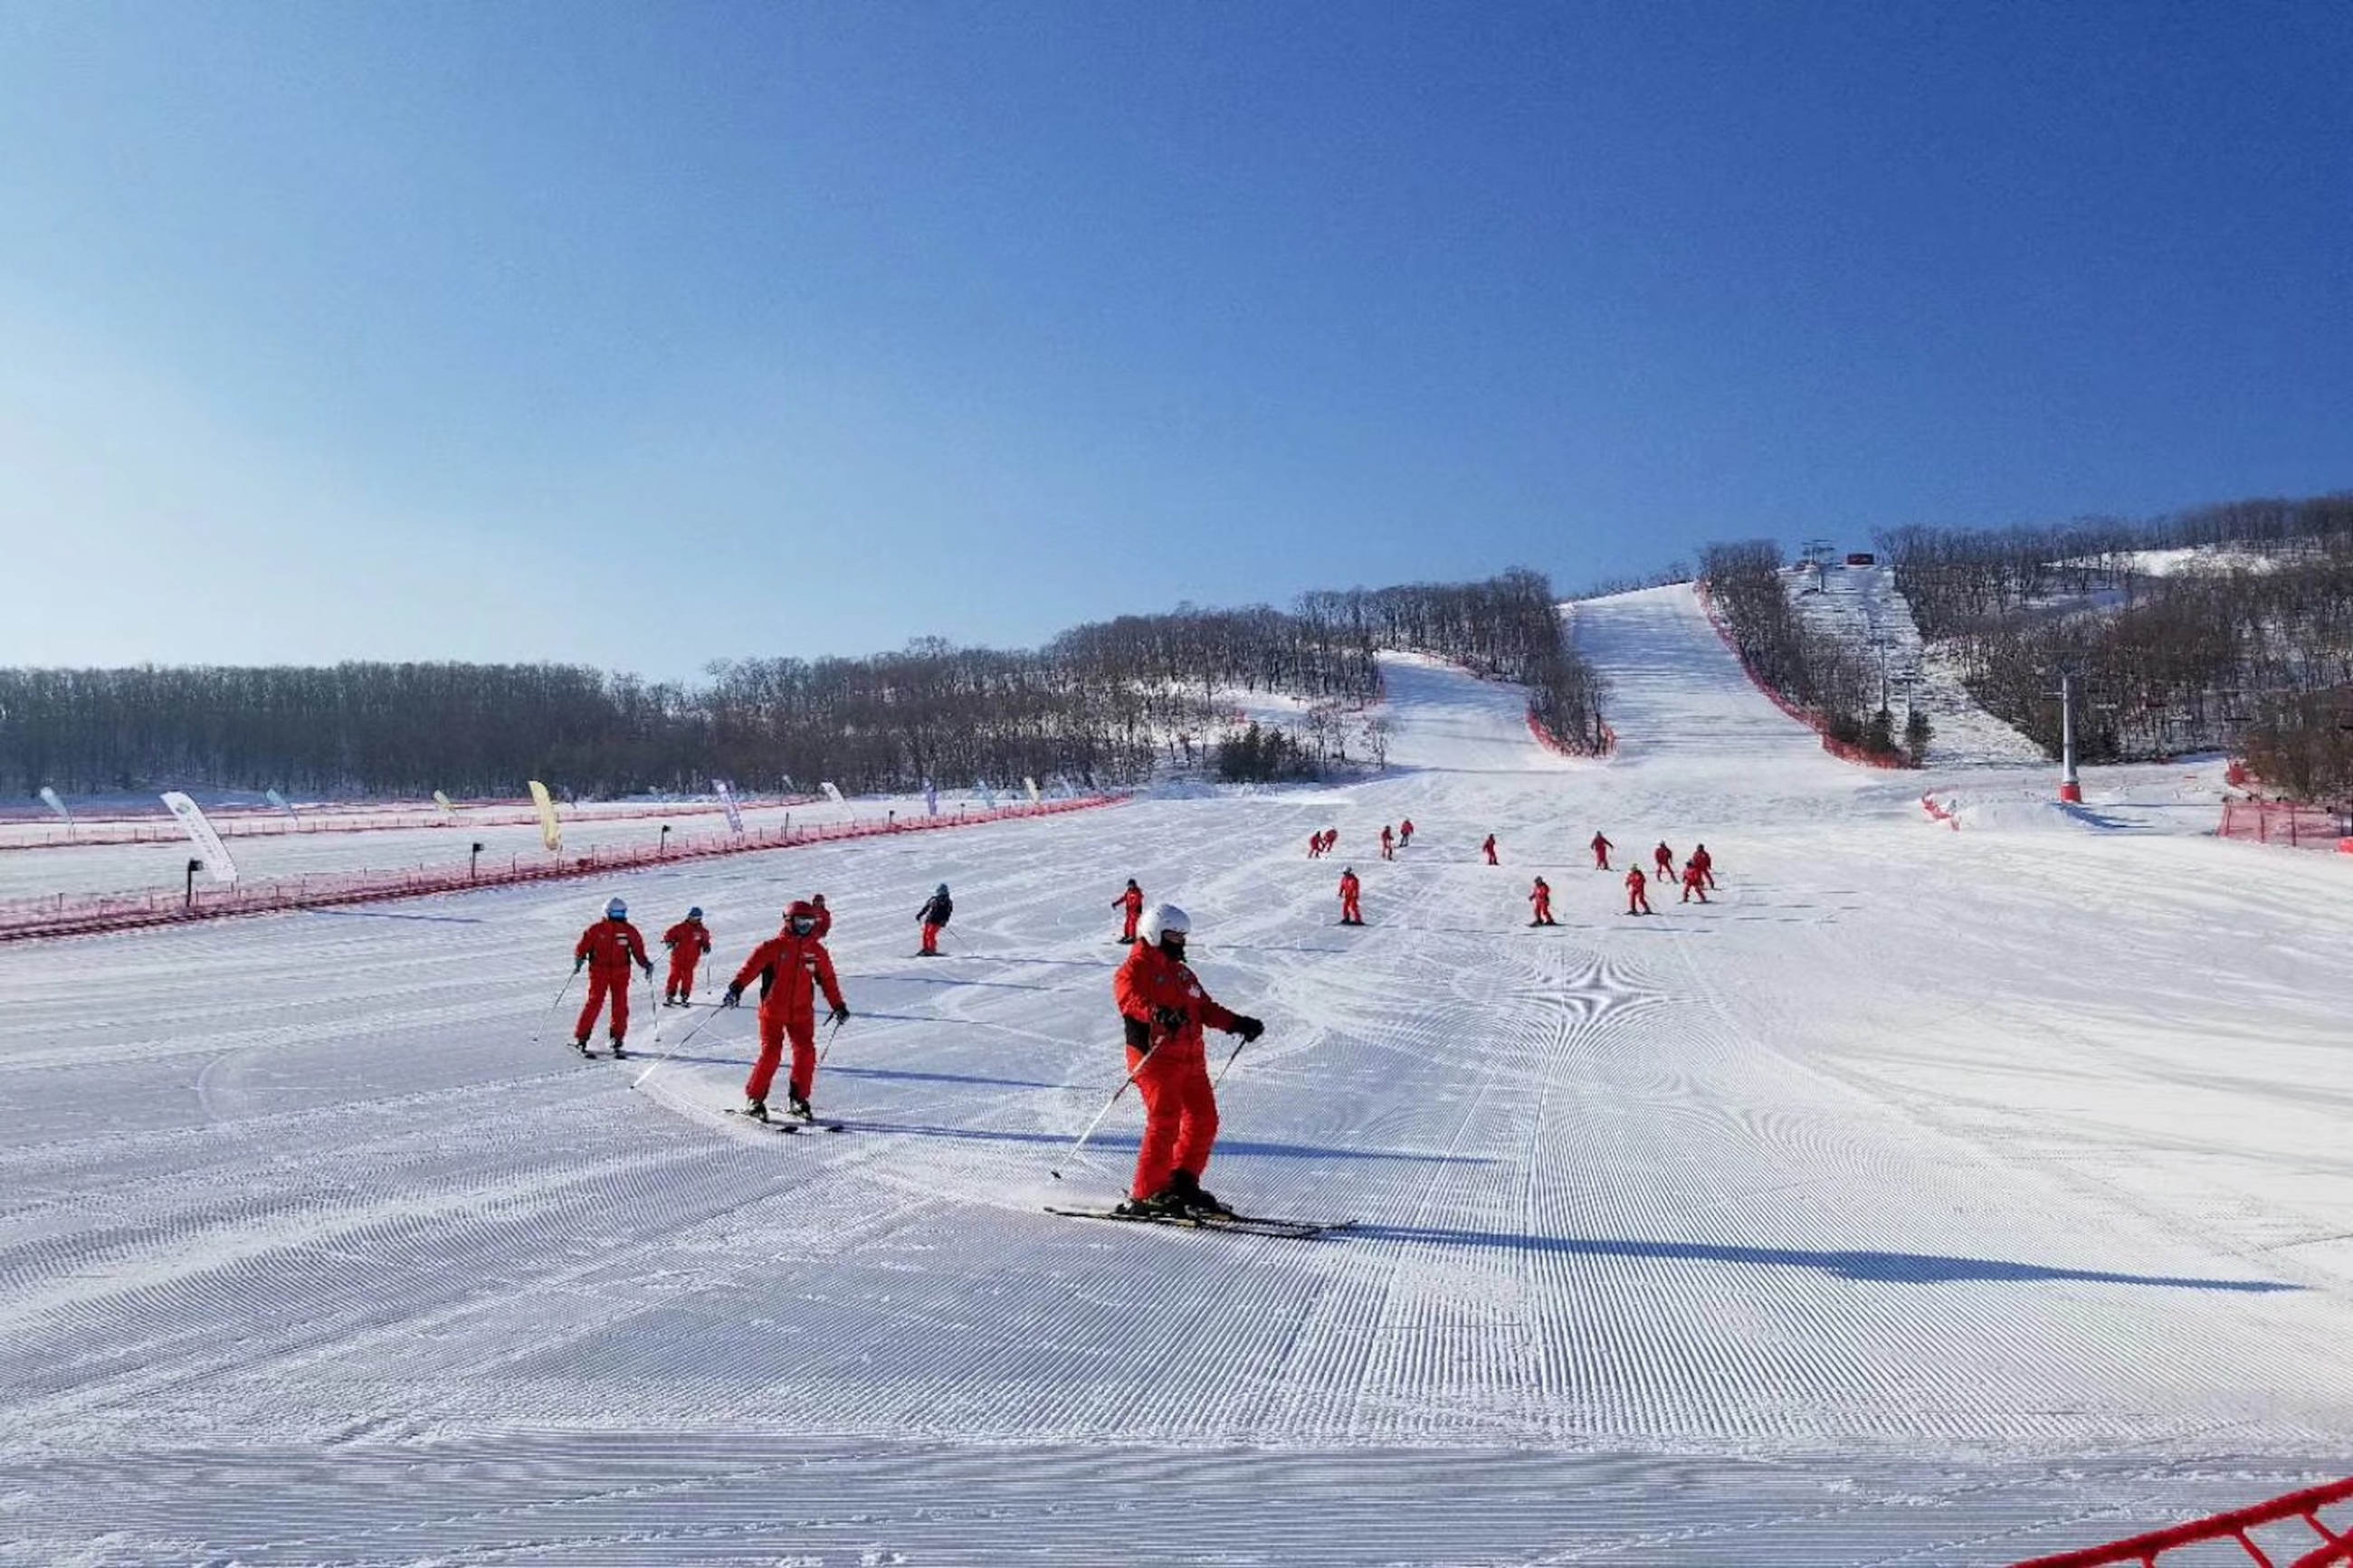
x=646, y=335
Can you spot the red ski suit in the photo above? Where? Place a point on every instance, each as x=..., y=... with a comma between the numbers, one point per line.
x=1490, y=847
x=796, y=966
x=1314, y=845
x=1404, y=833
x=1664, y=858
x=1695, y=881
x=1388, y=844
x=1541, y=898
x=824, y=920
x=1180, y=1111
x=688, y=941
x=1132, y=901
x=1601, y=847
x=1706, y=862
x=611, y=946
x=1638, y=893
x=1349, y=890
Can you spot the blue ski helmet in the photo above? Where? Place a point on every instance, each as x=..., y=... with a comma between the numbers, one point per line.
x=695, y=913
x=616, y=910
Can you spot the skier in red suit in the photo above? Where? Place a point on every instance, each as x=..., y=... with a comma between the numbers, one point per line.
x=1404, y=833
x=1541, y=895
x=1601, y=847
x=608, y=949
x=1638, y=891
x=1706, y=862
x=1664, y=858
x=1694, y=881
x=1350, y=915
x=1490, y=850
x=1164, y=1010
x=688, y=941
x=1388, y=842
x=791, y=966
x=824, y=916
x=1131, y=903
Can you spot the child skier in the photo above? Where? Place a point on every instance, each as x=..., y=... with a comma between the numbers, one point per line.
x=934, y=918
x=688, y=941
x=1638, y=891
x=1541, y=895
x=608, y=948
x=1350, y=915
x=1130, y=901
x=1488, y=849
x=1164, y=1009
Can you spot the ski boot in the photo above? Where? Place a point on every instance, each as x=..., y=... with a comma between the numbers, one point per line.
x=757, y=1110
x=1164, y=1205
x=1192, y=1197
x=619, y=1054
x=800, y=1108
x=581, y=1045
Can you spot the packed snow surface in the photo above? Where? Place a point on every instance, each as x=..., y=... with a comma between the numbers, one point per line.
x=1930, y=1196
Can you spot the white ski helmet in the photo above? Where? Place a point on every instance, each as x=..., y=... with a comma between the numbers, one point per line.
x=1163, y=919
x=616, y=910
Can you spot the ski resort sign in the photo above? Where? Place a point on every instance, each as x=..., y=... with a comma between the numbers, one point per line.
x=208, y=844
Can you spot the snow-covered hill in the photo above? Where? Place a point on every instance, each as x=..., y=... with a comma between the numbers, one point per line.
x=1932, y=1197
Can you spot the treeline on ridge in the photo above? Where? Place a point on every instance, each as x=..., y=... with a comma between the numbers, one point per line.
x=1102, y=705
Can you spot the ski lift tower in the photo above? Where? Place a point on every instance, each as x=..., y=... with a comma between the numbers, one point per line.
x=2071, y=788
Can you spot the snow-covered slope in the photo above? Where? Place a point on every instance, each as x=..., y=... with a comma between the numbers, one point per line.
x=1933, y=1196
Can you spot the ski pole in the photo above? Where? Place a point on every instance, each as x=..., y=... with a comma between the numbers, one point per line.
x=829, y=1037
x=1077, y=1149
x=1228, y=1062
x=542, y=1030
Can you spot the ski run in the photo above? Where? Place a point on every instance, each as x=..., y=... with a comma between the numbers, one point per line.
x=1929, y=1197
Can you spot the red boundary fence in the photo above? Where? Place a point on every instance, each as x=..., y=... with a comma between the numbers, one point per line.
x=1554, y=744
x=1810, y=720
x=72, y=916
x=2298, y=826
x=2143, y=1551
x=248, y=822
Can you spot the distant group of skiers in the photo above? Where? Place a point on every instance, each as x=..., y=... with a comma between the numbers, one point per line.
x=1163, y=1006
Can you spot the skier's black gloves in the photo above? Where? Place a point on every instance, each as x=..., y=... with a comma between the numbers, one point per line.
x=1249, y=1029
x=839, y=1016
x=1170, y=1019
x=649, y=970
x=577, y=964
x=734, y=995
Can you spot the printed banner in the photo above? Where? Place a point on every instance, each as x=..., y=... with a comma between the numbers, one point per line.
x=209, y=844
x=727, y=804
x=551, y=832
x=831, y=794
x=277, y=800
x=930, y=799
x=50, y=798
x=443, y=802
x=1032, y=786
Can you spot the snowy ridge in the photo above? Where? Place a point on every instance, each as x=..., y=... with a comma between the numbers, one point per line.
x=1935, y=1198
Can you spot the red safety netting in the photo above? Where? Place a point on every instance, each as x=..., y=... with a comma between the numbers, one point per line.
x=69, y=915
x=2296, y=826
x=1553, y=742
x=2295, y=1512
x=1841, y=750
x=250, y=822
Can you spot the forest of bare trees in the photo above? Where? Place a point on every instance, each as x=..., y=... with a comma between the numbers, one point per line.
x=2250, y=651
x=1101, y=704
x=1809, y=668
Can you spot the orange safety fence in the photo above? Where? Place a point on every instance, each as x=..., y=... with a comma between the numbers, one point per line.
x=2296, y=1508
x=79, y=914
x=2291, y=823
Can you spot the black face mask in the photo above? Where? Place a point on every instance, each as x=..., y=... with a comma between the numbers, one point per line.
x=1173, y=946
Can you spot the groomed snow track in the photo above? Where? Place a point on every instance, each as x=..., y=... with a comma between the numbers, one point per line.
x=1930, y=1198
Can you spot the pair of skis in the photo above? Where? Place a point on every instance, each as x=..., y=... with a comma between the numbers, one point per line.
x=788, y=1123
x=1232, y=1223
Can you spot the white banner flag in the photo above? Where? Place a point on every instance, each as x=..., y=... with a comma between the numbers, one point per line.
x=1032, y=786
x=831, y=794
x=551, y=832
x=727, y=804
x=209, y=844
x=443, y=802
x=987, y=794
x=50, y=798
x=930, y=799
x=277, y=800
